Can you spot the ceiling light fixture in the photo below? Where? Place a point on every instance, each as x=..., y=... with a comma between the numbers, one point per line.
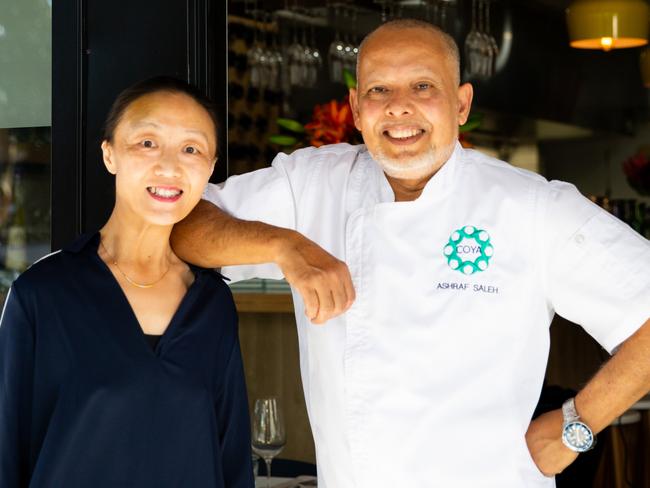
x=608, y=24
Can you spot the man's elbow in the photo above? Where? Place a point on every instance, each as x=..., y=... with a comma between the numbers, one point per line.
x=185, y=234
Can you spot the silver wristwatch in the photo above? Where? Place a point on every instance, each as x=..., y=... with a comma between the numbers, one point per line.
x=576, y=435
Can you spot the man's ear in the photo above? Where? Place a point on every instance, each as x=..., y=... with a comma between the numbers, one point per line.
x=465, y=95
x=354, y=105
x=107, y=156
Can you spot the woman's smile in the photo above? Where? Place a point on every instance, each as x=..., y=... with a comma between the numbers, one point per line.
x=165, y=193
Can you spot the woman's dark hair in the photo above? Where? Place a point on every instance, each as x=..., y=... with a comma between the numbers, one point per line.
x=154, y=85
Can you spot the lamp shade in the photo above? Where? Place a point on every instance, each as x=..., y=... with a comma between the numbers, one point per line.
x=608, y=24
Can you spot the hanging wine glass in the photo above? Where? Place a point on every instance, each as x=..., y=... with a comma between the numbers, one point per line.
x=316, y=58
x=346, y=54
x=255, y=53
x=384, y=9
x=492, y=42
x=473, y=53
x=305, y=59
x=272, y=59
x=294, y=55
x=334, y=51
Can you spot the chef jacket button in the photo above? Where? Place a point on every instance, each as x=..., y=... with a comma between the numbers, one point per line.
x=579, y=239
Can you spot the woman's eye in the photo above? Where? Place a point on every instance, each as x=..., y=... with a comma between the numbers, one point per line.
x=423, y=86
x=191, y=150
x=147, y=143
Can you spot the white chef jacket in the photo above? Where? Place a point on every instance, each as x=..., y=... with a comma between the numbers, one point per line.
x=432, y=376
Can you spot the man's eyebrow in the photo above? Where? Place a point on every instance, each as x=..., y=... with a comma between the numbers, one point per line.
x=414, y=72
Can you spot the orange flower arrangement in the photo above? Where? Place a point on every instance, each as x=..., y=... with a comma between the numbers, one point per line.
x=331, y=123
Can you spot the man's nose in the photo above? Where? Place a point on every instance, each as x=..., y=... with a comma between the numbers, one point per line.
x=399, y=104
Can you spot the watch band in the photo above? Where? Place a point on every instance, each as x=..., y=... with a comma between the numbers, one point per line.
x=569, y=411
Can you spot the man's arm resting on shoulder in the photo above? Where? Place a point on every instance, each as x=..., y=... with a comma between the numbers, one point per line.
x=211, y=238
x=620, y=383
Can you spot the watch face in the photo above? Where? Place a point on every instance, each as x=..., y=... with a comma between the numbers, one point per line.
x=577, y=436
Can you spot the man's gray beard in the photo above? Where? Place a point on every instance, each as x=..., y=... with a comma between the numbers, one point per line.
x=415, y=167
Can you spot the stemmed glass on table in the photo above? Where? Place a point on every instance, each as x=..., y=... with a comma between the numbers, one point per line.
x=268, y=433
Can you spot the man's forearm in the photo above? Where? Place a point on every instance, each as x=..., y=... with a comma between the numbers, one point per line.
x=211, y=238
x=619, y=384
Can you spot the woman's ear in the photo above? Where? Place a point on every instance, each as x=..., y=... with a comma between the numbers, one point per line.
x=107, y=155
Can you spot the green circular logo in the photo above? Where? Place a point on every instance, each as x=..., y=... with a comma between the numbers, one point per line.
x=469, y=250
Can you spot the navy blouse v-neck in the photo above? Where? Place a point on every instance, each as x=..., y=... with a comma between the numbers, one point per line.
x=86, y=402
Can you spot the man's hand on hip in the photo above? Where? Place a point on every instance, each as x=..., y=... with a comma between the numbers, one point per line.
x=544, y=439
x=323, y=281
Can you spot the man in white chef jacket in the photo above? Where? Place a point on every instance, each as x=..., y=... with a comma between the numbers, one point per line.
x=458, y=262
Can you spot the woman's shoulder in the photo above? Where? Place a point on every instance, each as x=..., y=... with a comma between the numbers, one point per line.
x=42, y=271
x=53, y=268
x=215, y=287
x=214, y=296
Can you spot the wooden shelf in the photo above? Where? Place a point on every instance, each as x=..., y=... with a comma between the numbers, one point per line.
x=263, y=302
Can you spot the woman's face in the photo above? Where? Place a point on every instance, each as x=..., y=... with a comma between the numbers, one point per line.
x=162, y=155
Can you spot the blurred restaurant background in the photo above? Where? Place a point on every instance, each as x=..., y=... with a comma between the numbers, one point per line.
x=557, y=91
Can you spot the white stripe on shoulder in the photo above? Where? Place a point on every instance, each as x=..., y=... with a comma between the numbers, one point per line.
x=4, y=307
x=45, y=257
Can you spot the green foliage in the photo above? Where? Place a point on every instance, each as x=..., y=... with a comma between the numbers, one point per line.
x=349, y=78
x=291, y=125
x=282, y=140
x=473, y=122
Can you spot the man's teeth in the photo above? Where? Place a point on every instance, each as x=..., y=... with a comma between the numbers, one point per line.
x=403, y=133
x=164, y=192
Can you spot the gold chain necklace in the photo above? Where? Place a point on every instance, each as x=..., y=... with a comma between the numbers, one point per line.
x=134, y=283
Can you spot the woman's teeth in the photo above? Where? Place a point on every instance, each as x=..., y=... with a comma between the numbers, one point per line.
x=403, y=133
x=164, y=192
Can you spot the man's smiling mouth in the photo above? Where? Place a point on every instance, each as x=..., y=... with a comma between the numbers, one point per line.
x=403, y=136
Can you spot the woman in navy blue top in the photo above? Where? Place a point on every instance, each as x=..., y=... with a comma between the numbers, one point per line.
x=120, y=364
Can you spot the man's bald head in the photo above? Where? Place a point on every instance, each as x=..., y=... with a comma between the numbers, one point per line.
x=397, y=27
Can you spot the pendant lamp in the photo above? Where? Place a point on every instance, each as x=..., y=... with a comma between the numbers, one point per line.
x=608, y=24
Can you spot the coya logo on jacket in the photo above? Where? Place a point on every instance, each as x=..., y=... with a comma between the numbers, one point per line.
x=469, y=250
